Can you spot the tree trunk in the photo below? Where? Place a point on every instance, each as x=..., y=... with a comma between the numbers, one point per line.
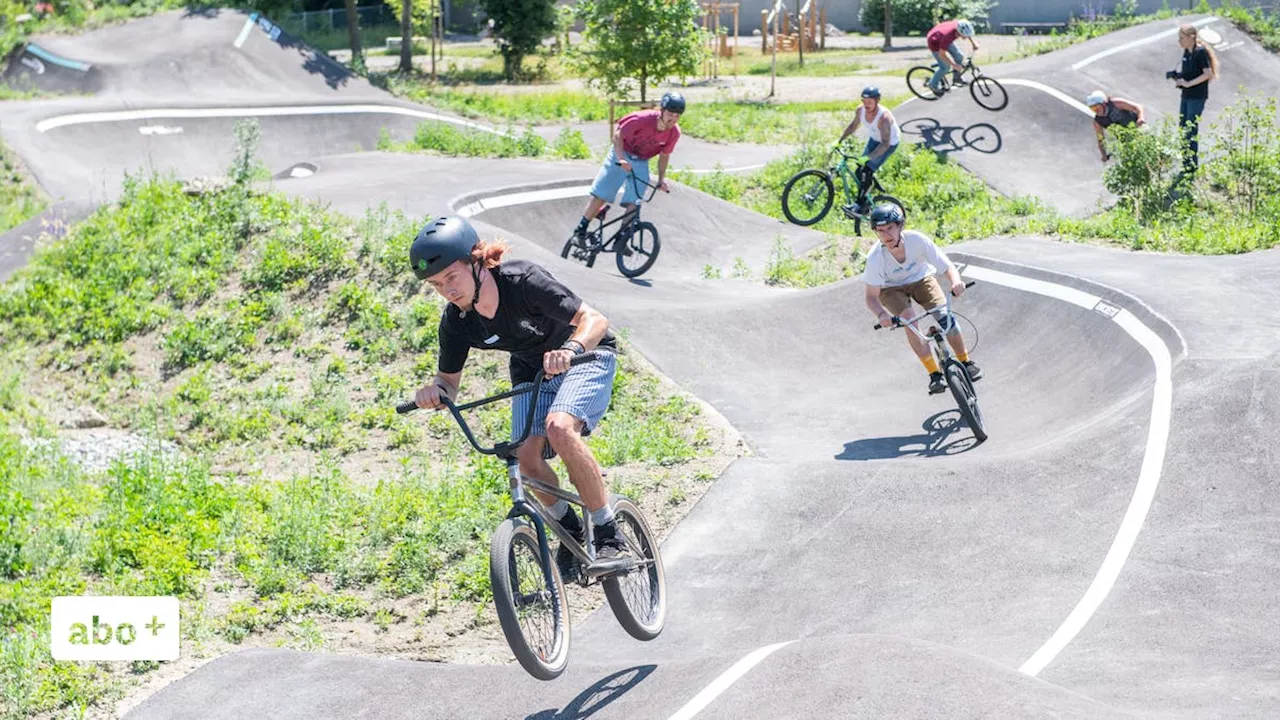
x=406, y=35
x=888, y=24
x=353, y=28
x=800, y=27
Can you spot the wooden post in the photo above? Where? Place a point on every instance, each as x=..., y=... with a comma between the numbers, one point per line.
x=823, y=21
x=735, y=39
x=773, y=67
x=764, y=32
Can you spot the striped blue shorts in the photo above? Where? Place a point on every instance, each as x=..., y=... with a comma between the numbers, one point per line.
x=584, y=392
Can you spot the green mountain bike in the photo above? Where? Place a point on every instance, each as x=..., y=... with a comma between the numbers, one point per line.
x=809, y=194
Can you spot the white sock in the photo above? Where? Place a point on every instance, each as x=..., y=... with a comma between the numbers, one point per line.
x=559, y=509
x=602, y=516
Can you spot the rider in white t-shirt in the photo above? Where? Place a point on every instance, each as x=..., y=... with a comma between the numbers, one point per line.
x=883, y=135
x=902, y=268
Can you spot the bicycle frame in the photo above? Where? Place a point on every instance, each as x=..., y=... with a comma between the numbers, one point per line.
x=522, y=503
x=630, y=217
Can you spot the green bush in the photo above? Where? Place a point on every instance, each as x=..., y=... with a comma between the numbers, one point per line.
x=918, y=16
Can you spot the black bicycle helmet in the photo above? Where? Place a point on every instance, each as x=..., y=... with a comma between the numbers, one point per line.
x=441, y=242
x=871, y=91
x=886, y=214
x=674, y=102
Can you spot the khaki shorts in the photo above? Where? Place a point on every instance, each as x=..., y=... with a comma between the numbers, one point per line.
x=927, y=292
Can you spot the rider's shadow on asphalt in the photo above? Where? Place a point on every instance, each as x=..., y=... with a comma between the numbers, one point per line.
x=599, y=695
x=944, y=434
x=946, y=139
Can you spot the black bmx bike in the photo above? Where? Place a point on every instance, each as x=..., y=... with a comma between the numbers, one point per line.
x=528, y=592
x=986, y=90
x=957, y=377
x=634, y=242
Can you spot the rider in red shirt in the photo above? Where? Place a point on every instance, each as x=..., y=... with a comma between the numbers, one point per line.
x=942, y=43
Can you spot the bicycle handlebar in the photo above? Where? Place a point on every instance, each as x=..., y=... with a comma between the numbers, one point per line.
x=456, y=410
x=897, y=321
x=653, y=189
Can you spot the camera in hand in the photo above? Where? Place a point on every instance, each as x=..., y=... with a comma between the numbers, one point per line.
x=1173, y=75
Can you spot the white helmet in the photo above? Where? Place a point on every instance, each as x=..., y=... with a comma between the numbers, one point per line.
x=1097, y=97
x=965, y=28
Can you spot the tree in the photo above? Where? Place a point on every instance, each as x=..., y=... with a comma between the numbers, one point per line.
x=353, y=28
x=888, y=25
x=519, y=27
x=406, y=37
x=637, y=43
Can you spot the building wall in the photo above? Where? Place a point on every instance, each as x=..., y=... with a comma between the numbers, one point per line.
x=844, y=13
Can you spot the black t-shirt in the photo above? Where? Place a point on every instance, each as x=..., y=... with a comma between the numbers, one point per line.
x=1113, y=115
x=1194, y=63
x=534, y=315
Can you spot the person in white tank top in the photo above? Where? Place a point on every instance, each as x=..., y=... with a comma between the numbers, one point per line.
x=883, y=135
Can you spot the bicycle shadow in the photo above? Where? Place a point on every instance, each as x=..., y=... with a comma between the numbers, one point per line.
x=599, y=695
x=938, y=428
x=942, y=139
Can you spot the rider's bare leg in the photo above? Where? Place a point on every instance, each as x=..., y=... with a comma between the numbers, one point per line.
x=564, y=431
x=956, y=339
x=533, y=465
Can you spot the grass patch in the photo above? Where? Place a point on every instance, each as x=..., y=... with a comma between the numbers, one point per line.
x=268, y=340
x=825, y=63
x=20, y=200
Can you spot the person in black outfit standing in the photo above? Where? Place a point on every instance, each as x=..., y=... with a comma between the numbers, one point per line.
x=1199, y=66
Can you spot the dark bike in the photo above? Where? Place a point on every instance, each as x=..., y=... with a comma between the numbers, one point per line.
x=635, y=243
x=528, y=592
x=986, y=90
x=953, y=370
x=809, y=194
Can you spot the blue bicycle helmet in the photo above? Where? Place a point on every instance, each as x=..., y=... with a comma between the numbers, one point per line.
x=886, y=214
x=674, y=102
x=871, y=91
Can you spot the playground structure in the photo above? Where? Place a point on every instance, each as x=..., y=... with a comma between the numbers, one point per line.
x=808, y=34
x=718, y=37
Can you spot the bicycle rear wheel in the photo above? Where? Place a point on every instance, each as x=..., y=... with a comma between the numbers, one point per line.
x=639, y=252
x=966, y=398
x=808, y=197
x=989, y=93
x=533, y=614
x=918, y=79
x=876, y=200
x=639, y=597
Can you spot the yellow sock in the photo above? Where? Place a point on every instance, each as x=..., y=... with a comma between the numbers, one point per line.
x=930, y=364
x=962, y=357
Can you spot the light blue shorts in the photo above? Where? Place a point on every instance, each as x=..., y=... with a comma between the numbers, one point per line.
x=584, y=392
x=613, y=176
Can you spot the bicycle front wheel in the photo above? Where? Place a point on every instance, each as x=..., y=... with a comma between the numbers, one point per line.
x=918, y=79
x=857, y=218
x=530, y=601
x=989, y=93
x=808, y=197
x=638, y=252
x=966, y=398
x=639, y=597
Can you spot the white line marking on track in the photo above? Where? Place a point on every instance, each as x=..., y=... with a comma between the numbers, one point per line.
x=1152, y=459
x=727, y=678
x=1137, y=43
x=521, y=198
x=244, y=33
x=173, y=113
x=1050, y=90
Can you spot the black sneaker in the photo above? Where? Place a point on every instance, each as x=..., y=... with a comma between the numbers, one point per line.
x=936, y=383
x=975, y=372
x=580, y=232
x=566, y=562
x=957, y=80
x=612, y=553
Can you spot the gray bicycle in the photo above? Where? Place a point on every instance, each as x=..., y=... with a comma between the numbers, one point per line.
x=957, y=377
x=528, y=592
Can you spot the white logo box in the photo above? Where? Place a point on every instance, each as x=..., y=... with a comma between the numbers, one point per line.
x=114, y=627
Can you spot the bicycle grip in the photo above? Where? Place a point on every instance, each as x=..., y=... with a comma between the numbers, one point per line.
x=406, y=407
x=877, y=326
x=584, y=358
